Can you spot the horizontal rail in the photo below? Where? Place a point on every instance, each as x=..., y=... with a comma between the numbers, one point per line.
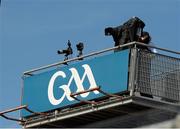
x=163, y=49
x=36, y=113
x=111, y=95
x=84, y=101
x=81, y=111
x=90, y=90
x=77, y=58
x=85, y=91
x=2, y=114
x=96, y=53
x=13, y=119
x=13, y=109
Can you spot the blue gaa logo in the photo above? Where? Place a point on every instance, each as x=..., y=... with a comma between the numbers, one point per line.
x=66, y=88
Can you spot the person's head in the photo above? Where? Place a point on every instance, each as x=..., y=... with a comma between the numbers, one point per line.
x=146, y=38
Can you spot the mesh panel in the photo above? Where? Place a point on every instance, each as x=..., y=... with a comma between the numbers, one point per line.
x=158, y=75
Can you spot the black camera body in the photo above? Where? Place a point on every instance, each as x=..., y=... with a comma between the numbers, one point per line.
x=80, y=46
x=67, y=51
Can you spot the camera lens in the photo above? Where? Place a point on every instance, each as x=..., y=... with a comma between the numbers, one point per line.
x=60, y=52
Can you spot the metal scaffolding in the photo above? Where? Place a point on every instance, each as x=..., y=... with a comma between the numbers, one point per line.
x=151, y=76
x=153, y=82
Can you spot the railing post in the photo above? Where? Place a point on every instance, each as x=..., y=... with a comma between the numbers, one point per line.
x=132, y=69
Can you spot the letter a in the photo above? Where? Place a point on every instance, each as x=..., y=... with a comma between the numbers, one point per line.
x=79, y=82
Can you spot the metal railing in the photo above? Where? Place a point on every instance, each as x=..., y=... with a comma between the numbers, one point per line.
x=151, y=74
x=128, y=45
x=78, y=58
x=158, y=75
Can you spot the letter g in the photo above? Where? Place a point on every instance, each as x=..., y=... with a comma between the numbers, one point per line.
x=51, y=97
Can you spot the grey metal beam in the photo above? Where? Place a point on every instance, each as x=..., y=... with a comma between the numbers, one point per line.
x=163, y=49
x=85, y=111
x=132, y=70
x=77, y=58
x=97, y=53
x=149, y=102
x=13, y=109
